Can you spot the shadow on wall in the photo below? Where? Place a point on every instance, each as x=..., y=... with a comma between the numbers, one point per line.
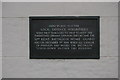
x=119, y=40
x=60, y=79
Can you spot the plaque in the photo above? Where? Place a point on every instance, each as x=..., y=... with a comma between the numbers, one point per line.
x=64, y=37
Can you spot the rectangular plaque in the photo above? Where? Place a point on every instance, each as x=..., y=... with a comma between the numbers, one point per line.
x=64, y=37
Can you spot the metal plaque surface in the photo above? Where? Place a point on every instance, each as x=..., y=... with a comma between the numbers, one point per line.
x=64, y=37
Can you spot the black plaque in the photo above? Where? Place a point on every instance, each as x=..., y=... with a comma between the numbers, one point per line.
x=64, y=37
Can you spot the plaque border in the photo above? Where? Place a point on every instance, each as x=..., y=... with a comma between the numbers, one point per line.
x=64, y=18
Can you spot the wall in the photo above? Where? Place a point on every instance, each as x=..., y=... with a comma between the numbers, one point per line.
x=118, y=39
x=60, y=0
x=16, y=62
x=0, y=39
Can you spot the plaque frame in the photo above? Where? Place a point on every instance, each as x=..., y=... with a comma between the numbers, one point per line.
x=97, y=18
